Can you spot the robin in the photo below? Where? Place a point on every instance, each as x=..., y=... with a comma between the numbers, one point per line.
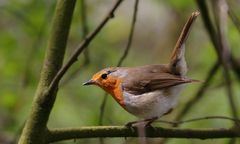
x=149, y=91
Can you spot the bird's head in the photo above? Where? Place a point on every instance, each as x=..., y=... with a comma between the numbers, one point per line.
x=107, y=79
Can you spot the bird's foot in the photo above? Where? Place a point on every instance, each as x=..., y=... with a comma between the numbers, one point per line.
x=131, y=125
x=146, y=122
x=150, y=121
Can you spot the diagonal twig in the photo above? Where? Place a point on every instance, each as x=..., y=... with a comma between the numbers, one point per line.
x=221, y=16
x=235, y=66
x=85, y=31
x=233, y=17
x=220, y=8
x=188, y=106
x=208, y=24
x=123, y=57
x=84, y=28
x=218, y=47
x=82, y=46
x=234, y=63
x=130, y=37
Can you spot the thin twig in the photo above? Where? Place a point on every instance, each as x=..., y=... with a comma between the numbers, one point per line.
x=220, y=14
x=73, y=74
x=188, y=106
x=82, y=46
x=176, y=55
x=208, y=24
x=235, y=66
x=84, y=28
x=218, y=45
x=130, y=37
x=123, y=57
x=36, y=125
x=234, y=63
x=234, y=18
x=85, y=31
x=102, y=108
x=198, y=119
x=220, y=8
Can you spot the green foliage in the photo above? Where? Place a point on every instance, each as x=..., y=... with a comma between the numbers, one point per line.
x=25, y=30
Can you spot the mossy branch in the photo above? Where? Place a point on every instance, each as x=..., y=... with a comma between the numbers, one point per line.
x=35, y=130
x=122, y=131
x=83, y=46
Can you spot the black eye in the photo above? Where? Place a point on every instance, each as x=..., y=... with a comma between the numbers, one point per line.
x=104, y=76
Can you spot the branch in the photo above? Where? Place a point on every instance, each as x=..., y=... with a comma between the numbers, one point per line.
x=234, y=63
x=130, y=37
x=125, y=53
x=237, y=121
x=73, y=74
x=234, y=18
x=235, y=66
x=122, y=131
x=207, y=22
x=35, y=129
x=220, y=47
x=84, y=28
x=86, y=62
x=220, y=13
x=82, y=46
x=102, y=108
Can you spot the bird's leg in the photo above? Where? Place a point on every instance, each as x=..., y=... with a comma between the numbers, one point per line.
x=130, y=124
x=147, y=122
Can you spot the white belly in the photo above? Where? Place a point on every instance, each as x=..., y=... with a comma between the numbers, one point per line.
x=152, y=104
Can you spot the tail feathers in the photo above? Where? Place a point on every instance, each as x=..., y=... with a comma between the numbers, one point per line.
x=192, y=80
x=177, y=61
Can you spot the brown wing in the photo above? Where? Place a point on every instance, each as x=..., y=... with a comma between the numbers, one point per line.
x=151, y=78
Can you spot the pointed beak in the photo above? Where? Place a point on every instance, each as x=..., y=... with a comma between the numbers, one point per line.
x=90, y=82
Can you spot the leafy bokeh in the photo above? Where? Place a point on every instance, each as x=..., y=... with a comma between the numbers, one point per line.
x=25, y=26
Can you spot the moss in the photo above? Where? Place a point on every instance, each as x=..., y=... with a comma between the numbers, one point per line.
x=35, y=129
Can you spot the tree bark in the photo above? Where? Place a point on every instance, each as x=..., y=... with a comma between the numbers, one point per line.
x=122, y=131
x=35, y=130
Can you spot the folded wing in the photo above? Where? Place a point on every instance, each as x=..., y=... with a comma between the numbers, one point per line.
x=151, y=80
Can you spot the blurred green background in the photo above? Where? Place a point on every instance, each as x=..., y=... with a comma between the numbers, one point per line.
x=25, y=26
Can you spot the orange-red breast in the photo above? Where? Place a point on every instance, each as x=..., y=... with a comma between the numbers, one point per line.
x=152, y=90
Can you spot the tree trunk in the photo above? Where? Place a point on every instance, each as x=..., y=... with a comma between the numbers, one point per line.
x=35, y=130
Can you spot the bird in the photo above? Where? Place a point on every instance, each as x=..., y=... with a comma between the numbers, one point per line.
x=150, y=91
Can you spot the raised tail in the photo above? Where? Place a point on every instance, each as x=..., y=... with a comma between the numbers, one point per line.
x=177, y=62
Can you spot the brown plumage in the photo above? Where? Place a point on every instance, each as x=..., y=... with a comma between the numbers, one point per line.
x=149, y=78
x=148, y=91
